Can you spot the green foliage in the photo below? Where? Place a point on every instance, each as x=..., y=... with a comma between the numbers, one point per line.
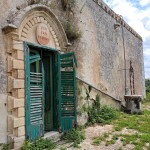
x=68, y=4
x=79, y=91
x=88, y=91
x=110, y=142
x=148, y=95
x=76, y=136
x=144, y=101
x=72, y=32
x=115, y=137
x=98, y=114
x=147, y=84
x=140, y=123
x=97, y=140
x=39, y=144
x=62, y=148
x=4, y=146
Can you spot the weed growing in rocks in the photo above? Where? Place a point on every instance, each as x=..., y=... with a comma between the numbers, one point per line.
x=68, y=4
x=4, y=146
x=72, y=32
x=76, y=136
x=99, y=139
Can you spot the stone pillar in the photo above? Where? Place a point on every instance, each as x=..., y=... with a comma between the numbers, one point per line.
x=15, y=89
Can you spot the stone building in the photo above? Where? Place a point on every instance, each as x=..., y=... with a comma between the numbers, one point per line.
x=40, y=69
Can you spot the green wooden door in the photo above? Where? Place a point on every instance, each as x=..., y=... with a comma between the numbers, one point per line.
x=67, y=103
x=34, y=103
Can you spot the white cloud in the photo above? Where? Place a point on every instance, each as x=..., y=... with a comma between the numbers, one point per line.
x=144, y=2
x=148, y=25
x=138, y=19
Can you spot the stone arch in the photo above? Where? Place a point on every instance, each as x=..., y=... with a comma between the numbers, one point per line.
x=35, y=14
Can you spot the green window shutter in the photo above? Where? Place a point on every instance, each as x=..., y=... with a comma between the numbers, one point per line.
x=34, y=95
x=67, y=102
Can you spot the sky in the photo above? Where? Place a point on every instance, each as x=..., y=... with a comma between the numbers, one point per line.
x=137, y=14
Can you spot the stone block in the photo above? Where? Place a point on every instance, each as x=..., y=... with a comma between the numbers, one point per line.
x=18, y=64
x=19, y=112
x=17, y=54
x=14, y=84
x=14, y=103
x=18, y=83
x=18, y=45
x=20, y=131
x=18, y=122
x=24, y=34
x=9, y=63
x=9, y=84
x=10, y=123
x=18, y=142
x=19, y=93
x=18, y=74
x=9, y=43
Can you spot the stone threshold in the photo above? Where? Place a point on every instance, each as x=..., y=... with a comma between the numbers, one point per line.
x=53, y=135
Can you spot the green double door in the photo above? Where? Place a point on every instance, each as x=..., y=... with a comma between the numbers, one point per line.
x=50, y=99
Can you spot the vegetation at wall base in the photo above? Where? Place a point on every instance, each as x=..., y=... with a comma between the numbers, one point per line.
x=4, y=146
x=76, y=136
x=100, y=114
x=39, y=145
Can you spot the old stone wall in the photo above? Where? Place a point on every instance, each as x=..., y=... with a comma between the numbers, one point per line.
x=6, y=7
x=100, y=51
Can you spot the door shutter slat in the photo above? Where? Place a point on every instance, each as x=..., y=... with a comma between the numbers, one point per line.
x=68, y=98
x=34, y=95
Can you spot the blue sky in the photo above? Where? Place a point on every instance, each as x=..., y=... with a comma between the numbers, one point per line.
x=137, y=14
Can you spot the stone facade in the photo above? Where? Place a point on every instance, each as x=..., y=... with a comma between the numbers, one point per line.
x=103, y=54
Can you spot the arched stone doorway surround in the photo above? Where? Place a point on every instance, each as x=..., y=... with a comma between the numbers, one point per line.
x=23, y=28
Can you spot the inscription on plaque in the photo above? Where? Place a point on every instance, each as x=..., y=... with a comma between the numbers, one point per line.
x=42, y=34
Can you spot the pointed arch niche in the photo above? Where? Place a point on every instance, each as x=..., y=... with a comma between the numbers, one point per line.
x=23, y=28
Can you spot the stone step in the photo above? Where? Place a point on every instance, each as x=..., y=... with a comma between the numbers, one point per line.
x=54, y=135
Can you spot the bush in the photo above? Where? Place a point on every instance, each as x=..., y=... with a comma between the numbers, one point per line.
x=98, y=114
x=39, y=144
